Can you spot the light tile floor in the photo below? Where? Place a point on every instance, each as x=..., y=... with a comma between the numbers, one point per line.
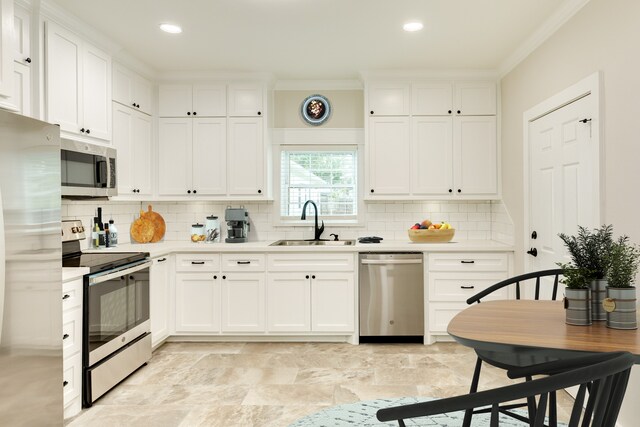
x=273, y=384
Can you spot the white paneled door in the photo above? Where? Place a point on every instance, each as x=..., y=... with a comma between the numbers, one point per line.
x=562, y=183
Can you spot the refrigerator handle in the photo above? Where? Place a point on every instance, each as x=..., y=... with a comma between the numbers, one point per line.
x=2, y=264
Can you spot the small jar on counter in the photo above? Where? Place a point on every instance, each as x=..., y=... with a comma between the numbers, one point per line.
x=197, y=233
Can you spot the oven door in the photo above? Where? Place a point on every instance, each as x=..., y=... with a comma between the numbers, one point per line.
x=116, y=310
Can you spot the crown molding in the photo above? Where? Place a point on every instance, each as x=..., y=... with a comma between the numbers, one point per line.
x=546, y=30
x=222, y=75
x=443, y=74
x=284, y=85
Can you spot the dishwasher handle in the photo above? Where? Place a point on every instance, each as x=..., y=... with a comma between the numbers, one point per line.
x=390, y=261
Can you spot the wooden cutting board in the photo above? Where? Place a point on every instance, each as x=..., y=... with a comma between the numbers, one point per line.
x=142, y=230
x=159, y=226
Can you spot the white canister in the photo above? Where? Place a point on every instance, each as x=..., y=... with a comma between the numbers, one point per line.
x=212, y=229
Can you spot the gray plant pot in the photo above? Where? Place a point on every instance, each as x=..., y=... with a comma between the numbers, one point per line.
x=623, y=303
x=598, y=293
x=577, y=303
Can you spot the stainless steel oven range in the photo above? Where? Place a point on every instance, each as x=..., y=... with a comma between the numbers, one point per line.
x=116, y=325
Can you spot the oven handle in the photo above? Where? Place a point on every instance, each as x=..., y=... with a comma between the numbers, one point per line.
x=100, y=278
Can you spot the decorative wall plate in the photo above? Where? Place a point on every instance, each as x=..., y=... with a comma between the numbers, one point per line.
x=315, y=110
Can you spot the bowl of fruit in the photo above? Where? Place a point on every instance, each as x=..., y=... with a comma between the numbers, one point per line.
x=428, y=232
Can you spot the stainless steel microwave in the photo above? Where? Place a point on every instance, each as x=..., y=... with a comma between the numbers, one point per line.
x=88, y=170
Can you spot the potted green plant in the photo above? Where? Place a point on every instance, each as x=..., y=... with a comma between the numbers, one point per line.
x=590, y=250
x=620, y=303
x=577, y=294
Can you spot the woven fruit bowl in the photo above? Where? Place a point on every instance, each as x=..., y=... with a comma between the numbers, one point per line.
x=431, y=236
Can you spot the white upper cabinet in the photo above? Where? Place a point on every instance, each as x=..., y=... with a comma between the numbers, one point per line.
x=132, y=139
x=202, y=100
x=246, y=157
x=6, y=51
x=21, y=36
x=475, y=154
x=246, y=100
x=464, y=98
x=389, y=154
x=174, y=155
x=78, y=85
x=432, y=156
x=475, y=98
x=432, y=99
x=131, y=89
x=209, y=156
x=388, y=99
x=22, y=89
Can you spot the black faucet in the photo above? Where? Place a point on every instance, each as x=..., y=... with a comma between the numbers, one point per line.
x=317, y=230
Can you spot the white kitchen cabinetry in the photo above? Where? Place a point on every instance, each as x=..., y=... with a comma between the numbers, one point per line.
x=432, y=156
x=389, y=154
x=184, y=100
x=197, y=298
x=288, y=302
x=460, y=98
x=72, y=346
x=132, y=138
x=388, y=99
x=22, y=88
x=21, y=35
x=78, y=85
x=131, y=89
x=246, y=157
x=6, y=52
x=332, y=302
x=454, y=277
x=475, y=98
x=246, y=100
x=159, y=300
x=21, y=97
x=192, y=157
x=243, y=302
x=432, y=99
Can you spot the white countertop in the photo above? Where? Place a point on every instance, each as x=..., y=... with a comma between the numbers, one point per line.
x=166, y=247
x=72, y=273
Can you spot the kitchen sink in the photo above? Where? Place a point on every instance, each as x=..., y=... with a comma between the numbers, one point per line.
x=313, y=243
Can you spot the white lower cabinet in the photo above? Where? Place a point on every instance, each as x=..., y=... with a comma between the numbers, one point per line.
x=72, y=346
x=332, y=302
x=288, y=302
x=197, y=303
x=243, y=302
x=159, y=300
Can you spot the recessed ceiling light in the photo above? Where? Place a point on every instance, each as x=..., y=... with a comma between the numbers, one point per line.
x=413, y=26
x=171, y=28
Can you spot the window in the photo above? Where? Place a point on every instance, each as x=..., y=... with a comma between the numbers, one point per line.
x=326, y=176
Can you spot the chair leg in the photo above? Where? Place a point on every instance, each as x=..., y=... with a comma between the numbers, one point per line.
x=553, y=410
x=474, y=388
x=531, y=405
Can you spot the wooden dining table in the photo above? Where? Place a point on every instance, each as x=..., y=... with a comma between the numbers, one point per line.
x=536, y=328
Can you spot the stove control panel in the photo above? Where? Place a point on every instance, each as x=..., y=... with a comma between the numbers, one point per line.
x=72, y=230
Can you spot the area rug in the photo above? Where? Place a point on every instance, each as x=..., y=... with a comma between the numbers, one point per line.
x=364, y=414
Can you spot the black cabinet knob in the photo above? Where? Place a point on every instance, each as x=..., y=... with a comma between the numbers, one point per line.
x=451, y=190
x=28, y=60
x=88, y=131
x=194, y=191
x=134, y=190
x=372, y=190
x=188, y=113
x=82, y=130
x=65, y=336
x=138, y=105
x=259, y=113
x=371, y=112
x=188, y=191
x=313, y=277
x=64, y=383
x=459, y=190
x=195, y=114
x=449, y=111
x=533, y=252
x=224, y=277
x=137, y=190
x=259, y=191
x=66, y=296
x=134, y=104
x=215, y=277
x=459, y=112
x=306, y=277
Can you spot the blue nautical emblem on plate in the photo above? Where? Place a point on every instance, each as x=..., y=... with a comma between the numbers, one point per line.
x=315, y=110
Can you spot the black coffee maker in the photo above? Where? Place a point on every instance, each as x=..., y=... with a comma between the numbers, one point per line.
x=237, y=224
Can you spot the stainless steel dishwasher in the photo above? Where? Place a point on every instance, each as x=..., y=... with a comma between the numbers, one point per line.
x=391, y=294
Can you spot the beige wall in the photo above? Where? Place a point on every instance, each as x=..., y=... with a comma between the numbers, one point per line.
x=347, y=106
x=604, y=36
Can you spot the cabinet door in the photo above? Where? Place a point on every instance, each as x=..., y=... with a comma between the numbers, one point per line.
x=209, y=100
x=243, y=302
x=174, y=157
x=209, y=156
x=22, y=89
x=475, y=154
x=475, y=98
x=288, y=302
x=197, y=302
x=6, y=48
x=159, y=300
x=21, y=35
x=123, y=86
x=175, y=101
x=96, y=93
x=245, y=155
x=63, y=78
x=245, y=100
x=122, y=142
x=143, y=94
x=432, y=99
x=332, y=302
x=389, y=155
x=432, y=156
x=141, y=148
x=388, y=99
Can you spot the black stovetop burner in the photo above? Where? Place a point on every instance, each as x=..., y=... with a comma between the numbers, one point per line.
x=98, y=262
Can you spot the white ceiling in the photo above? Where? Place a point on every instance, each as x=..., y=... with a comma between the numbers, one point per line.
x=316, y=39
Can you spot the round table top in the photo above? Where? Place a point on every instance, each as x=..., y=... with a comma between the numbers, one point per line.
x=508, y=324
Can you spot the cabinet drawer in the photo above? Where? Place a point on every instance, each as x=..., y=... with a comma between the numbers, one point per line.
x=71, y=377
x=469, y=261
x=243, y=262
x=72, y=294
x=71, y=332
x=197, y=262
x=311, y=262
x=441, y=313
x=460, y=286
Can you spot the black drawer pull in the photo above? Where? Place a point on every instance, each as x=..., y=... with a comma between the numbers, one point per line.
x=65, y=336
x=162, y=260
x=64, y=383
x=197, y=262
x=467, y=287
x=66, y=296
x=243, y=262
x=467, y=262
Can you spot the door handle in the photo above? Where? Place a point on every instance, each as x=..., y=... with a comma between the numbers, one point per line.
x=533, y=252
x=243, y=262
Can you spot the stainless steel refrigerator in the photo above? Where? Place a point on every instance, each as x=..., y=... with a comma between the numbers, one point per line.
x=30, y=273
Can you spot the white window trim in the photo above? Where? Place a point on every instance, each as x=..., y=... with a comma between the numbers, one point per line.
x=310, y=139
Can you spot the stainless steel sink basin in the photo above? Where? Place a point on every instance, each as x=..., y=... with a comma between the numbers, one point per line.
x=313, y=243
